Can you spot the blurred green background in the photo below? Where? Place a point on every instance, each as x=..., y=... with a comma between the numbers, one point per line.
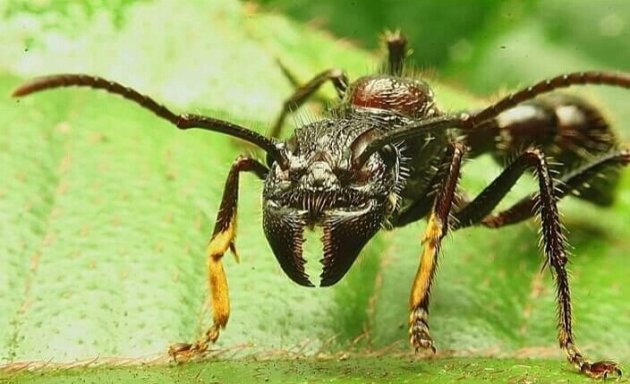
x=104, y=211
x=467, y=41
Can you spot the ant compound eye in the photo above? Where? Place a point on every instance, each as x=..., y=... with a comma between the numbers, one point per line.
x=388, y=154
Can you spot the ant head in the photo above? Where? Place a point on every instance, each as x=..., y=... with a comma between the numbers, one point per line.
x=321, y=186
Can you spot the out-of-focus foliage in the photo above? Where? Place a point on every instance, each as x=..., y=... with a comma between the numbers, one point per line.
x=434, y=28
x=457, y=37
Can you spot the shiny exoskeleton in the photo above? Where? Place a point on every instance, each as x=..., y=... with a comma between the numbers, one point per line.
x=323, y=186
x=386, y=156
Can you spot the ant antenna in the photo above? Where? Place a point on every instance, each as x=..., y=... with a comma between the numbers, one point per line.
x=183, y=121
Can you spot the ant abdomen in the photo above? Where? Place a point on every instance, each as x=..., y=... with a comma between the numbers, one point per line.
x=569, y=130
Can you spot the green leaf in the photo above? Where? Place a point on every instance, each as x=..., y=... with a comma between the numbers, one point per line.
x=105, y=212
x=374, y=369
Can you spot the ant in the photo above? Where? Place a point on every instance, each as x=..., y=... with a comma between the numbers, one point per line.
x=387, y=156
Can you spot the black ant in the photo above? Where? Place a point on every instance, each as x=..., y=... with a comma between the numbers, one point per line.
x=387, y=156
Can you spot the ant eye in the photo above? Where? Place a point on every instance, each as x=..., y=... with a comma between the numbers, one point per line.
x=388, y=154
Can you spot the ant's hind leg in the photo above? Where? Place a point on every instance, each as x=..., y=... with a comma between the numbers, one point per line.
x=553, y=245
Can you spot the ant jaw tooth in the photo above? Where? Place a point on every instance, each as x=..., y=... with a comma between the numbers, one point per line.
x=284, y=230
x=345, y=235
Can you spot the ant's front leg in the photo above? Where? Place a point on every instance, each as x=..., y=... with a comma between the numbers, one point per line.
x=437, y=228
x=553, y=244
x=222, y=239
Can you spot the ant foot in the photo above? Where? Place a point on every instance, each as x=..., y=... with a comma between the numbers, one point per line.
x=601, y=369
x=419, y=335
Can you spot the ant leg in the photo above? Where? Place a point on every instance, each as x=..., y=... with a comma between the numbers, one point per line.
x=553, y=244
x=437, y=228
x=223, y=238
x=571, y=183
x=397, y=51
x=569, y=130
x=419, y=209
x=336, y=76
